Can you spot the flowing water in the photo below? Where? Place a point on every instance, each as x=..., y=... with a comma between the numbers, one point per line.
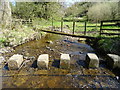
x=77, y=76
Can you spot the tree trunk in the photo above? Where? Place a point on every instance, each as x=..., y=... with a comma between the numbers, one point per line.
x=5, y=13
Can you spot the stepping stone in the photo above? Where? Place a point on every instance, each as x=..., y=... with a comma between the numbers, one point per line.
x=65, y=61
x=113, y=61
x=15, y=61
x=2, y=59
x=92, y=60
x=43, y=61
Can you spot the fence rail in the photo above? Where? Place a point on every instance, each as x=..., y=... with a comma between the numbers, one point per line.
x=116, y=23
x=102, y=26
x=29, y=21
x=111, y=33
x=111, y=29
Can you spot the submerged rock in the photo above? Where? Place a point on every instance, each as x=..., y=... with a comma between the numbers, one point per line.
x=50, y=42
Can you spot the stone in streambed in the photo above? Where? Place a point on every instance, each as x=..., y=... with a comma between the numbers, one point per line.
x=15, y=61
x=2, y=59
x=43, y=61
x=113, y=60
x=65, y=61
x=92, y=60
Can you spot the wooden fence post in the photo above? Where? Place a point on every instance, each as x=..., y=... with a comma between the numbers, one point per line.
x=52, y=24
x=73, y=26
x=85, y=28
x=101, y=27
x=61, y=24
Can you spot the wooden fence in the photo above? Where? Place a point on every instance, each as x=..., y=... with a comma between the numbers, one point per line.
x=73, y=25
x=103, y=24
x=22, y=21
x=114, y=23
x=29, y=21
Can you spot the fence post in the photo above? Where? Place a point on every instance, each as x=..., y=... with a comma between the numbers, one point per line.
x=85, y=28
x=61, y=24
x=101, y=27
x=52, y=24
x=73, y=26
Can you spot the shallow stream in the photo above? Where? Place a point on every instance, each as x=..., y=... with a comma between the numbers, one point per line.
x=78, y=76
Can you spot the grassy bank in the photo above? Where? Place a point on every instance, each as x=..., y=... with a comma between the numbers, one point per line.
x=17, y=36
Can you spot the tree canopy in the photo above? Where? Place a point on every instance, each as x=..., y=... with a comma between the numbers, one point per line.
x=37, y=9
x=95, y=11
x=103, y=11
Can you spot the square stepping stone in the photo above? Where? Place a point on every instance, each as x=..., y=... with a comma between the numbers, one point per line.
x=113, y=61
x=92, y=60
x=15, y=61
x=43, y=61
x=65, y=61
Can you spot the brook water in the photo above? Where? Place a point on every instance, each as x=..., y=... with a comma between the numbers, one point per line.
x=78, y=76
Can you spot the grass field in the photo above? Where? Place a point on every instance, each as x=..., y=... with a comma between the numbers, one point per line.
x=91, y=28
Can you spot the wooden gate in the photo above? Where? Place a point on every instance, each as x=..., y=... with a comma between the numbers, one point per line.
x=110, y=27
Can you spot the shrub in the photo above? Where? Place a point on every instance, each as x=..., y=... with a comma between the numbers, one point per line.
x=110, y=45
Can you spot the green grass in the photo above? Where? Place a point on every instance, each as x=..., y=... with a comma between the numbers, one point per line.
x=56, y=23
x=2, y=40
x=111, y=27
x=79, y=26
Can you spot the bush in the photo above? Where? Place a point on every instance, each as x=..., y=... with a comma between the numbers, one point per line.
x=110, y=45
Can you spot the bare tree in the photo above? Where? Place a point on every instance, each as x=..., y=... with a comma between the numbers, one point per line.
x=5, y=13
